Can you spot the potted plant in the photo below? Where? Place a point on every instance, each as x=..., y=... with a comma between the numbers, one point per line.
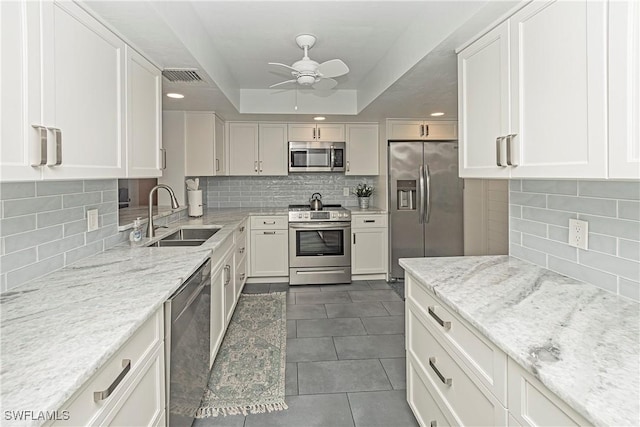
x=363, y=191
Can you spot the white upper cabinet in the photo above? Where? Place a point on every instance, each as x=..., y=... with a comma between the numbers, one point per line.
x=532, y=95
x=204, y=144
x=257, y=149
x=63, y=101
x=558, y=97
x=362, y=149
x=83, y=94
x=483, y=103
x=425, y=130
x=305, y=132
x=145, y=157
x=624, y=89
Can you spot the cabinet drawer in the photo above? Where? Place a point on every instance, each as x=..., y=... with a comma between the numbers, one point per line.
x=482, y=357
x=241, y=276
x=269, y=222
x=82, y=407
x=368, y=221
x=470, y=403
x=532, y=404
x=241, y=248
x=422, y=403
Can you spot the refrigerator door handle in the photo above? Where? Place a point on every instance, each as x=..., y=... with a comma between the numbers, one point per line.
x=428, y=191
x=422, y=195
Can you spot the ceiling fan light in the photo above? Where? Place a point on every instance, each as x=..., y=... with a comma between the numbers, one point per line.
x=306, y=80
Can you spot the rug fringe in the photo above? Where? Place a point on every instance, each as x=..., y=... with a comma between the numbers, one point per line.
x=207, y=412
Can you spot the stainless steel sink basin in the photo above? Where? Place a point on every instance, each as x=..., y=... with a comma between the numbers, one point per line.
x=186, y=237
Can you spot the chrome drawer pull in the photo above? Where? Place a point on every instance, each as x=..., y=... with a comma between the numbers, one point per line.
x=269, y=223
x=242, y=276
x=241, y=229
x=58, y=134
x=241, y=250
x=43, y=145
x=101, y=395
x=369, y=220
x=445, y=381
x=268, y=232
x=444, y=324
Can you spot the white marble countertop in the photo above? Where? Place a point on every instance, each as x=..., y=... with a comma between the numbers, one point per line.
x=58, y=330
x=580, y=341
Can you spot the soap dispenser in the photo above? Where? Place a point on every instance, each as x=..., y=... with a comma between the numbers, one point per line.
x=136, y=234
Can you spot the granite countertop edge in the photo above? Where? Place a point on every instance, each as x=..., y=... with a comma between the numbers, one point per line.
x=485, y=316
x=40, y=379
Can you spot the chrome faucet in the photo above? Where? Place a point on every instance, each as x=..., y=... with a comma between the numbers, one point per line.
x=151, y=232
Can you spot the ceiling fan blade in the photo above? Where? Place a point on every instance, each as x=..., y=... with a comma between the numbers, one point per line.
x=333, y=68
x=281, y=83
x=325, y=84
x=283, y=65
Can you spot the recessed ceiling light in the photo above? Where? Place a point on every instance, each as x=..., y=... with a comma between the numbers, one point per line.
x=438, y=114
x=319, y=118
x=175, y=95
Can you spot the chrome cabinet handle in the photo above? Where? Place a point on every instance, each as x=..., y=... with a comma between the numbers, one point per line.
x=421, y=184
x=354, y=238
x=43, y=145
x=314, y=133
x=445, y=381
x=255, y=166
x=421, y=130
x=241, y=250
x=260, y=163
x=348, y=166
x=426, y=130
x=428, y=192
x=433, y=423
x=319, y=133
x=268, y=232
x=499, y=151
x=269, y=223
x=443, y=323
x=101, y=395
x=242, y=229
x=217, y=165
x=58, y=134
x=332, y=156
x=163, y=152
x=227, y=274
x=510, y=160
x=242, y=276
x=369, y=220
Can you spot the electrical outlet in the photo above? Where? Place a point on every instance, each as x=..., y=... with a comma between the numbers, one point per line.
x=345, y=191
x=579, y=234
x=92, y=219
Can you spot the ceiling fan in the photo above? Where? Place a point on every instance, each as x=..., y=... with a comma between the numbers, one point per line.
x=307, y=72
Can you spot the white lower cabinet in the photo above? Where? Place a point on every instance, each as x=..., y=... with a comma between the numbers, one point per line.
x=136, y=375
x=369, y=244
x=269, y=245
x=456, y=376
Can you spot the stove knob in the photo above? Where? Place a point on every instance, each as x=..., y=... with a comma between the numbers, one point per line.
x=299, y=215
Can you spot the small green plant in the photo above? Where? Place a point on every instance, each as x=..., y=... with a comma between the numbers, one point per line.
x=363, y=190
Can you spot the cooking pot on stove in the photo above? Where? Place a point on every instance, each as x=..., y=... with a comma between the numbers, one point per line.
x=315, y=202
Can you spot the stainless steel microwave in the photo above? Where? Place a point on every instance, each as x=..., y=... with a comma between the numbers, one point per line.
x=316, y=156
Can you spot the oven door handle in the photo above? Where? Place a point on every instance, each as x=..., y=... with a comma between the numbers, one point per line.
x=320, y=225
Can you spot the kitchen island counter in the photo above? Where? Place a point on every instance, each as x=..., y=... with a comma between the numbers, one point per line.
x=581, y=342
x=58, y=330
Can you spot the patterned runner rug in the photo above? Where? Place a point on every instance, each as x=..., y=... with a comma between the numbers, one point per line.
x=248, y=373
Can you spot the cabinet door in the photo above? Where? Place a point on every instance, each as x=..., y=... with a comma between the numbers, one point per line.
x=558, y=101
x=405, y=129
x=369, y=251
x=624, y=90
x=20, y=87
x=144, y=112
x=229, y=290
x=219, y=163
x=269, y=253
x=330, y=132
x=272, y=149
x=362, y=149
x=243, y=149
x=84, y=93
x=441, y=130
x=302, y=132
x=483, y=103
x=217, y=311
x=199, y=144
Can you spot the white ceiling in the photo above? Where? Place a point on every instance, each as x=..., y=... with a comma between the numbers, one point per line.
x=400, y=53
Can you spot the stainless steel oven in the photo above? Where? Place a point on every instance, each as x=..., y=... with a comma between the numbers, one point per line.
x=317, y=156
x=319, y=252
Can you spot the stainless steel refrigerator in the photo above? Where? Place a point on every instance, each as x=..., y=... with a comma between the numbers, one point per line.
x=425, y=201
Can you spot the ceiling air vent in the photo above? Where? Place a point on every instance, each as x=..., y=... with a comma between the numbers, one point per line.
x=182, y=75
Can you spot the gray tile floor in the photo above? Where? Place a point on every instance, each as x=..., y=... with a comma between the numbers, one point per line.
x=345, y=359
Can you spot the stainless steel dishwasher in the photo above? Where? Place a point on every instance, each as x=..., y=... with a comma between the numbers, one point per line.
x=187, y=326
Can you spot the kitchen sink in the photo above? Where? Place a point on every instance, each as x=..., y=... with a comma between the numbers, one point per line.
x=186, y=237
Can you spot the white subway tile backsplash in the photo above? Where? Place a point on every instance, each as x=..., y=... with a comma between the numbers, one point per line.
x=612, y=261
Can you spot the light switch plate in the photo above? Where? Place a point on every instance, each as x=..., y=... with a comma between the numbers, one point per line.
x=92, y=219
x=578, y=234
x=345, y=191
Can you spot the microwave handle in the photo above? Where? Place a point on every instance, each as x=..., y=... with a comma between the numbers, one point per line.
x=332, y=160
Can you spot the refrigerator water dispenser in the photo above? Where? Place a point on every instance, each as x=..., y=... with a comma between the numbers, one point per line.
x=406, y=194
